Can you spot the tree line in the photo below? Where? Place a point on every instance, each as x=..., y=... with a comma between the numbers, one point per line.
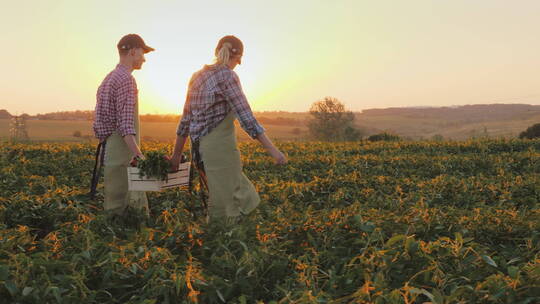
x=89, y=115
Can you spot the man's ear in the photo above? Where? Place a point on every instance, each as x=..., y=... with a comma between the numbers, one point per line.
x=132, y=52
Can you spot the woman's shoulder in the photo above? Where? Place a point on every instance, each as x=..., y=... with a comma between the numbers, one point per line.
x=219, y=70
x=225, y=74
x=212, y=76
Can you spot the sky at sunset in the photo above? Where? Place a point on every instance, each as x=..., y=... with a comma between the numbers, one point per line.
x=368, y=54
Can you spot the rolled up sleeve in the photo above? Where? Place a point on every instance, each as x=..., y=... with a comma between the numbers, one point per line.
x=125, y=106
x=183, y=126
x=232, y=90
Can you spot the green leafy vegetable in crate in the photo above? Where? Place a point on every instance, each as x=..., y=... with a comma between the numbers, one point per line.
x=155, y=165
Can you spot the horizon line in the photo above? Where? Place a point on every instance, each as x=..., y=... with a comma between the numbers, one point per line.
x=307, y=111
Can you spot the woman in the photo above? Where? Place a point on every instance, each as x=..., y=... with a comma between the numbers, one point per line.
x=214, y=100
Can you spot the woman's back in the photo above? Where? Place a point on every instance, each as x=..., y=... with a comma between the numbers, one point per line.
x=213, y=92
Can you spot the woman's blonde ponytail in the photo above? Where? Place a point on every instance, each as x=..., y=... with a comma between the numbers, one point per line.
x=224, y=53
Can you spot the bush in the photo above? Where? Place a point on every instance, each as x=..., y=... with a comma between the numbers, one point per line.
x=384, y=137
x=77, y=134
x=531, y=132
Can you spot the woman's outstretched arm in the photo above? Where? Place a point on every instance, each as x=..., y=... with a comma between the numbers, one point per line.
x=279, y=158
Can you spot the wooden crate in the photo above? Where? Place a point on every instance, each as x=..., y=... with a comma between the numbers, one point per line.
x=179, y=178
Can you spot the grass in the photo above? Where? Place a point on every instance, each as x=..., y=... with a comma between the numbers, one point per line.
x=425, y=128
x=402, y=125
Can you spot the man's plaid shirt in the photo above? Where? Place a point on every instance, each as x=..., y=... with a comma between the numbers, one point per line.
x=116, y=100
x=213, y=91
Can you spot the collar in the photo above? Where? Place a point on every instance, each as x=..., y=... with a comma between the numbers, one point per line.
x=123, y=68
x=215, y=66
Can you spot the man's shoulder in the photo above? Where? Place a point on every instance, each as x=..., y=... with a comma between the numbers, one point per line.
x=115, y=80
x=118, y=78
x=122, y=76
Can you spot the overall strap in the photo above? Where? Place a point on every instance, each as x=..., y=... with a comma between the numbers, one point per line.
x=199, y=165
x=99, y=160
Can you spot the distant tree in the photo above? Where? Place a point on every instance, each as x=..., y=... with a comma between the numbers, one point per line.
x=331, y=122
x=77, y=133
x=384, y=137
x=531, y=132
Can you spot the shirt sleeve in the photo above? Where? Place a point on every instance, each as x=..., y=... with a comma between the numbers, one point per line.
x=183, y=126
x=125, y=106
x=232, y=90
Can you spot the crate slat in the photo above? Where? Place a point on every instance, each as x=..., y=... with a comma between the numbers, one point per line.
x=178, y=178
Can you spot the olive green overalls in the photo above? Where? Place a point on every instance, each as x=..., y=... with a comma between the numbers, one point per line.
x=231, y=193
x=117, y=157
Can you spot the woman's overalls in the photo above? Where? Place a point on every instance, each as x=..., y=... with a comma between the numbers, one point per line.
x=231, y=193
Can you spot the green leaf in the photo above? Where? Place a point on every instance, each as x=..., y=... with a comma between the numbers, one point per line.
x=367, y=227
x=27, y=290
x=220, y=296
x=56, y=294
x=395, y=239
x=439, y=299
x=436, y=297
x=424, y=292
x=243, y=245
x=466, y=240
x=242, y=299
x=11, y=287
x=489, y=260
x=86, y=254
x=133, y=268
x=411, y=245
x=4, y=272
x=513, y=272
x=148, y=273
x=459, y=237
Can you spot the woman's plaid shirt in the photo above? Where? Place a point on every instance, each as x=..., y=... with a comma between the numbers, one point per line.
x=212, y=93
x=116, y=101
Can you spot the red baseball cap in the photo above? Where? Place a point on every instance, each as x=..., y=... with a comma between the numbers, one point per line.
x=133, y=41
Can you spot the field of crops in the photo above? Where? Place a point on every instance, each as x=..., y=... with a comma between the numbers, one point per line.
x=409, y=222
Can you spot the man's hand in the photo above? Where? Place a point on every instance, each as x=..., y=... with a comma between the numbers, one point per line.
x=134, y=148
x=135, y=159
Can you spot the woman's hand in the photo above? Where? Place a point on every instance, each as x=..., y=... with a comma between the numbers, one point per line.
x=175, y=161
x=279, y=157
x=176, y=156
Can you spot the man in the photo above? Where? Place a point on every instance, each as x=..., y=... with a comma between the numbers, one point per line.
x=116, y=125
